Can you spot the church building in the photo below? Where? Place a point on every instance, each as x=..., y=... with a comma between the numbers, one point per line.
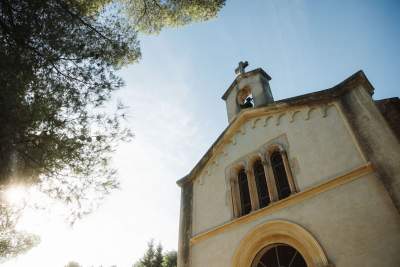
x=308, y=181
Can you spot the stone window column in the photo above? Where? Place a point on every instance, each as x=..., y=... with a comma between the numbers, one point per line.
x=272, y=191
x=237, y=211
x=288, y=172
x=255, y=204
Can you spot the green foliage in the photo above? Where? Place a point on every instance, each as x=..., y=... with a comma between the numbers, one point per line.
x=58, y=63
x=12, y=242
x=57, y=66
x=57, y=73
x=170, y=259
x=154, y=257
x=150, y=16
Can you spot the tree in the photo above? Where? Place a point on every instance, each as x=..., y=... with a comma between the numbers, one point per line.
x=154, y=257
x=170, y=259
x=158, y=258
x=151, y=16
x=57, y=73
x=12, y=242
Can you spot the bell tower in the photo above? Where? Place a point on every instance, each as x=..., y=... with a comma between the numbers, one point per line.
x=248, y=90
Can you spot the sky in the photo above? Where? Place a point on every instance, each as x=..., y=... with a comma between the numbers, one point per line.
x=176, y=112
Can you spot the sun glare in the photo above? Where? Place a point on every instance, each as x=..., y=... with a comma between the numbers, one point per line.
x=16, y=195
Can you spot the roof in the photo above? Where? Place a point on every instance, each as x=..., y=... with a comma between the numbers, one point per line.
x=357, y=79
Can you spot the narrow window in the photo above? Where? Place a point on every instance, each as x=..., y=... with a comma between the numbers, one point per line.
x=261, y=183
x=245, y=201
x=281, y=179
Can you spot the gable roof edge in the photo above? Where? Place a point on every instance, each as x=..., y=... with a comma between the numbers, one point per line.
x=352, y=82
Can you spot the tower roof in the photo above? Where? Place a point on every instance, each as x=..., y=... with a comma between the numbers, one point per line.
x=245, y=75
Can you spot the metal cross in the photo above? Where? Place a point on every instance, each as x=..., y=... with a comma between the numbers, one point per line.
x=241, y=68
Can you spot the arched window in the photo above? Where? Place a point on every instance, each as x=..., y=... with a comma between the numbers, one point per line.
x=245, y=202
x=279, y=255
x=280, y=175
x=261, y=183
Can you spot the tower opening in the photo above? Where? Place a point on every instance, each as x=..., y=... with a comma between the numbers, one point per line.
x=245, y=98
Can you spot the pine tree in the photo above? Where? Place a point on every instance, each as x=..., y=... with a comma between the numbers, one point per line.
x=158, y=257
x=58, y=60
x=151, y=256
x=154, y=257
x=170, y=259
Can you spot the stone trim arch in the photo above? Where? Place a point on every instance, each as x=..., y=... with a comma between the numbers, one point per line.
x=271, y=148
x=279, y=232
x=259, y=155
x=235, y=168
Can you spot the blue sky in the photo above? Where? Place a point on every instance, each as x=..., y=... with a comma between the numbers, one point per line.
x=304, y=45
x=176, y=112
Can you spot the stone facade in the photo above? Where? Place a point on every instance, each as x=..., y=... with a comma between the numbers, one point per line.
x=342, y=157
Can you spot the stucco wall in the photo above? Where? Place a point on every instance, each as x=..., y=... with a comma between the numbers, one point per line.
x=376, y=138
x=319, y=146
x=356, y=224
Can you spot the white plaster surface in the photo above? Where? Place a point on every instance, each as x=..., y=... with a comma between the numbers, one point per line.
x=356, y=224
x=319, y=148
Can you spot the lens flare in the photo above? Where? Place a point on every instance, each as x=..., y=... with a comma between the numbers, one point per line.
x=16, y=195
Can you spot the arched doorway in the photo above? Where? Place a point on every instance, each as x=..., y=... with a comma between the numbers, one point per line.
x=279, y=255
